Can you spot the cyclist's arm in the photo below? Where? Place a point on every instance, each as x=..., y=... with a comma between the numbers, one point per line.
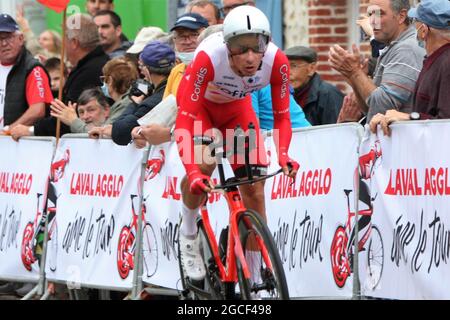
x=190, y=97
x=280, y=103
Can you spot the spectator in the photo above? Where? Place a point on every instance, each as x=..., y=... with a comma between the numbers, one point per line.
x=320, y=100
x=92, y=109
x=85, y=54
x=88, y=58
x=397, y=68
x=110, y=31
x=350, y=110
x=228, y=5
x=94, y=6
x=156, y=134
x=53, y=67
x=48, y=45
x=262, y=104
x=207, y=9
x=209, y=31
x=159, y=60
x=24, y=83
x=431, y=95
x=119, y=75
x=366, y=27
x=145, y=36
x=185, y=32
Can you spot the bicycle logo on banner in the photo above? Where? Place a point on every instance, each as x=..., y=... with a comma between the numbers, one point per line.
x=342, y=246
x=33, y=234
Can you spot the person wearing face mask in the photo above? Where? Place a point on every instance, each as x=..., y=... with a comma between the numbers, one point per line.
x=118, y=76
x=158, y=60
x=397, y=67
x=431, y=95
x=185, y=32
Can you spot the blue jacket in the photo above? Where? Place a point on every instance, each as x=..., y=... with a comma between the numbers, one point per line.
x=262, y=104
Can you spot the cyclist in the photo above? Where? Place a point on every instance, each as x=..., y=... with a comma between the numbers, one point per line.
x=216, y=93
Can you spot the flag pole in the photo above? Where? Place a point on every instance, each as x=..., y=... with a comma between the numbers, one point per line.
x=61, y=70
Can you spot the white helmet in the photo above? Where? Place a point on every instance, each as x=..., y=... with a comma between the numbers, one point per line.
x=244, y=20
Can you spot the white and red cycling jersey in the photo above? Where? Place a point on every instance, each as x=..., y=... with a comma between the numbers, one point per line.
x=213, y=93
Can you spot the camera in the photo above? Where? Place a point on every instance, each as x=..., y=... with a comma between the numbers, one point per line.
x=141, y=87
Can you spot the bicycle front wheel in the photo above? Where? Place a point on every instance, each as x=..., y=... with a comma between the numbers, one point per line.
x=211, y=287
x=268, y=280
x=150, y=250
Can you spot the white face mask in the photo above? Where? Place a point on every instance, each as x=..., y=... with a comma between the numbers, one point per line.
x=186, y=57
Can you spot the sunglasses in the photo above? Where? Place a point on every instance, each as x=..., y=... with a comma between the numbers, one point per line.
x=239, y=45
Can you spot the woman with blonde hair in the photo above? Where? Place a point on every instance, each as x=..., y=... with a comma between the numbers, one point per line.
x=47, y=45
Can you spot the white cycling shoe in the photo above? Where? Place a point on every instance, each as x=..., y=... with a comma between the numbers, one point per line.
x=191, y=259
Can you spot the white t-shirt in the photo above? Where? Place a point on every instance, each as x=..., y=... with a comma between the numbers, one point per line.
x=4, y=71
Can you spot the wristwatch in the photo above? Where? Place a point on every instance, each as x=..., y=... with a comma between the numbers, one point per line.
x=172, y=133
x=31, y=130
x=414, y=116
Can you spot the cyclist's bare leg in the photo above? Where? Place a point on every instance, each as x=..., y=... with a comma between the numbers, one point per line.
x=253, y=197
x=192, y=202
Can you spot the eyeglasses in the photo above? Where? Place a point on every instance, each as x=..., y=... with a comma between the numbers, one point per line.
x=8, y=38
x=297, y=65
x=226, y=10
x=186, y=37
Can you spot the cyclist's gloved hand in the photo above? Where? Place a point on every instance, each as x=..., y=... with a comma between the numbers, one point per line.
x=290, y=166
x=199, y=183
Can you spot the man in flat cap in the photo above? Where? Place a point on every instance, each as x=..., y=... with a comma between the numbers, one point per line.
x=321, y=101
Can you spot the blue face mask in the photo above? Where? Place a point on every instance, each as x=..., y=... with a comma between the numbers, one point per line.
x=105, y=90
x=420, y=42
x=186, y=57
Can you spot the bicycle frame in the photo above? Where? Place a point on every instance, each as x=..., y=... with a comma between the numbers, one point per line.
x=348, y=228
x=228, y=188
x=134, y=222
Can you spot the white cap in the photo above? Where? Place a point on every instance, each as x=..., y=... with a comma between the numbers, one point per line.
x=144, y=37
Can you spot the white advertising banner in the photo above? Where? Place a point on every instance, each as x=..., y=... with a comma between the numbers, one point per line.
x=310, y=218
x=93, y=235
x=410, y=194
x=303, y=217
x=162, y=194
x=24, y=172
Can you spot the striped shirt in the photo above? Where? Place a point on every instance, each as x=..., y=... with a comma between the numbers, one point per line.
x=396, y=74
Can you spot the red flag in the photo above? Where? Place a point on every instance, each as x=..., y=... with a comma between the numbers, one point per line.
x=55, y=5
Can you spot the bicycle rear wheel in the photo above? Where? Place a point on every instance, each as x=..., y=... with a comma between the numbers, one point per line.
x=268, y=282
x=375, y=257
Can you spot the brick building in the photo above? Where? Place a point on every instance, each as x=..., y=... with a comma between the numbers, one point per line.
x=322, y=23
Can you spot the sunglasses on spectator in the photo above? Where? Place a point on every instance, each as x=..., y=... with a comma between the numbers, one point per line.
x=226, y=10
